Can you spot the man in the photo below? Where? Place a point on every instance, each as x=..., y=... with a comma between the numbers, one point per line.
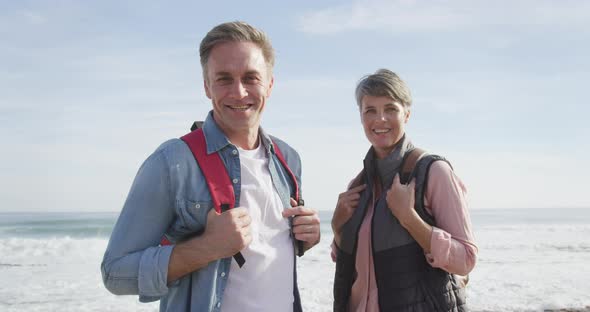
x=170, y=197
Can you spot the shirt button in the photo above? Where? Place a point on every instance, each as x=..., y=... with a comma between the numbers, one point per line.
x=198, y=206
x=222, y=274
x=235, y=152
x=235, y=180
x=219, y=304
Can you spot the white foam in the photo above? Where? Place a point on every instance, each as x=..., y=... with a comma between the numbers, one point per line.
x=520, y=268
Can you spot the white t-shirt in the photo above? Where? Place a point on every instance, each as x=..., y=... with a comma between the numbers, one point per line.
x=265, y=282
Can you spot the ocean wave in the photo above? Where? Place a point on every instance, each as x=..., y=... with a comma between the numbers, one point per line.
x=567, y=247
x=58, y=228
x=560, y=228
x=34, y=251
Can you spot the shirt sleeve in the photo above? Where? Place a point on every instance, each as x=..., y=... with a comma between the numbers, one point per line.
x=134, y=263
x=453, y=246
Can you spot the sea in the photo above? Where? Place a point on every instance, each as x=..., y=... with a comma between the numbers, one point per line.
x=529, y=260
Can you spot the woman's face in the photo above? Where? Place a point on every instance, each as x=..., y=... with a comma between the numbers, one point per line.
x=383, y=120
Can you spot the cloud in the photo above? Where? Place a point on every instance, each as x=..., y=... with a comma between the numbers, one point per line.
x=407, y=16
x=34, y=18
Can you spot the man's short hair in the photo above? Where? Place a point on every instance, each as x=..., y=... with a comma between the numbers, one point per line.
x=235, y=31
x=384, y=83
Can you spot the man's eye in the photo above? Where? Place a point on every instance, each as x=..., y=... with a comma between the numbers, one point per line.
x=369, y=111
x=251, y=79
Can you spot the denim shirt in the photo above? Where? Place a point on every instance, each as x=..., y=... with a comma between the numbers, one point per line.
x=169, y=197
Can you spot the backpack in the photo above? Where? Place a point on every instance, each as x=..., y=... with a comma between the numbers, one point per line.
x=219, y=182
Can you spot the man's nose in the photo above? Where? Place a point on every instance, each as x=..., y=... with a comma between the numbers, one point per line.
x=238, y=90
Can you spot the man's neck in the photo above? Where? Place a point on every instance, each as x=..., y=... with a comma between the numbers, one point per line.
x=243, y=140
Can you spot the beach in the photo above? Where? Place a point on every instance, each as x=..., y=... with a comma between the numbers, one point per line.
x=527, y=262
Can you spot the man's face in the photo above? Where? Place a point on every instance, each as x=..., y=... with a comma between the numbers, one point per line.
x=238, y=82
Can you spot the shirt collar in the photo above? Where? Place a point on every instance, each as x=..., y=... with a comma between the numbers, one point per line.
x=217, y=140
x=387, y=167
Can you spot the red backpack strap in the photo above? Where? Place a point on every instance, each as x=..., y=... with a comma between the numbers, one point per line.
x=293, y=178
x=297, y=198
x=216, y=177
x=218, y=181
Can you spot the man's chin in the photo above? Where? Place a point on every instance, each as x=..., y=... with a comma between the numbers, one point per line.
x=243, y=126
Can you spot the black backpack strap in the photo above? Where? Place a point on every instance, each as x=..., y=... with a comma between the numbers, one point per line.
x=197, y=125
x=358, y=180
x=421, y=172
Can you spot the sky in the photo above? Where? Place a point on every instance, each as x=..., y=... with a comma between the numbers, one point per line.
x=89, y=89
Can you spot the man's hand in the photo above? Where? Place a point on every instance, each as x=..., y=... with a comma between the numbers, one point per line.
x=228, y=232
x=225, y=235
x=306, y=224
x=347, y=203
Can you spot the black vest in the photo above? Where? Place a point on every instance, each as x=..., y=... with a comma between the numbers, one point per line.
x=405, y=280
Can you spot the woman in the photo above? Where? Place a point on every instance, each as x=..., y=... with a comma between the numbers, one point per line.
x=397, y=246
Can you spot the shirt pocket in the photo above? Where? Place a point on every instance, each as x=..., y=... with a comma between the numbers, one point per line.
x=191, y=218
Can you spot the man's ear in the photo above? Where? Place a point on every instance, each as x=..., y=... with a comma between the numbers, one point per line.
x=206, y=86
x=408, y=113
x=270, y=85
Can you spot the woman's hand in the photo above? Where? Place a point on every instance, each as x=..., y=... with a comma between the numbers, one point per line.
x=400, y=200
x=347, y=203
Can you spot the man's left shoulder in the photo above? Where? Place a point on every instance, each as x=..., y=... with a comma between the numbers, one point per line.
x=283, y=146
x=291, y=156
